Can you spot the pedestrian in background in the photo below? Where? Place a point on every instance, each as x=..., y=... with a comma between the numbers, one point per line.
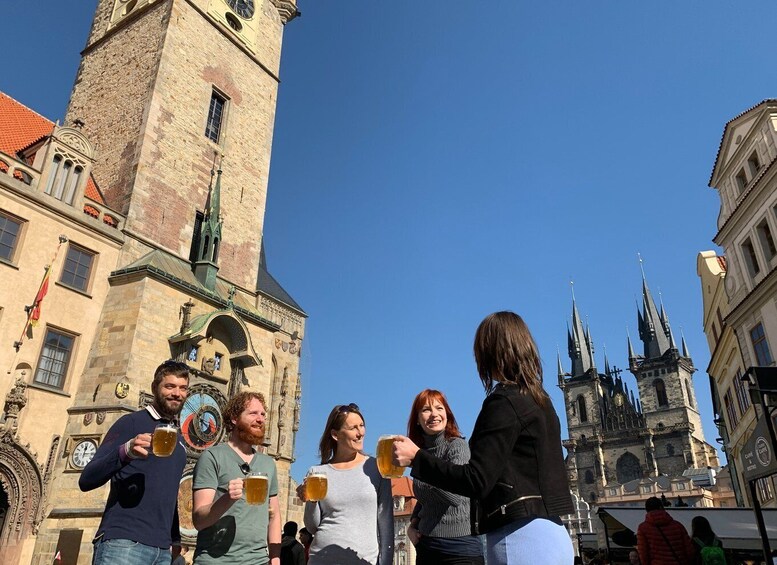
x=662, y=540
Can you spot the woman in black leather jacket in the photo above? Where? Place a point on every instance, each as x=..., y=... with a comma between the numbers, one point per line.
x=516, y=474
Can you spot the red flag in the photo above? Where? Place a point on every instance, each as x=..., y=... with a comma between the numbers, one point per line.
x=44, y=288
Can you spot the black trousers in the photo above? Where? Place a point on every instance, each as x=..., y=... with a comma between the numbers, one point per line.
x=426, y=556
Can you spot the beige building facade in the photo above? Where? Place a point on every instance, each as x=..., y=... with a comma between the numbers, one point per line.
x=740, y=310
x=157, y=182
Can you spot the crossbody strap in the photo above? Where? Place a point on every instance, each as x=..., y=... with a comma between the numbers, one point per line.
x=669, y=545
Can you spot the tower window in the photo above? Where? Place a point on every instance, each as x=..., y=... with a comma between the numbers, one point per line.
x=199, y=217
x=581, y=410
x=216, y=110
x=689, y=392
x=661, y=393
x=750, y=258
x=767, y=241
x=760, y=345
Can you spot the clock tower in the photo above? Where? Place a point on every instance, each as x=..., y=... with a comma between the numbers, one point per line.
x=179, y=97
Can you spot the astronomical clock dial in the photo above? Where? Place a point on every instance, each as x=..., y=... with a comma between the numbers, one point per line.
x=201, y=421
x=83, y=453
x=243, y=8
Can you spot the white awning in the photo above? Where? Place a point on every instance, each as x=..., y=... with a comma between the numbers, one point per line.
x=736, y=527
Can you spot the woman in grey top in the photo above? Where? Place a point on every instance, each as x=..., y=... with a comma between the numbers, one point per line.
x=354, y=523
x=440, y=526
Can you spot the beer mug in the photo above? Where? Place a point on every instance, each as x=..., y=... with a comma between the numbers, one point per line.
x=315, y=486
x=164, y=439
x=385, y=454
x=255, y=486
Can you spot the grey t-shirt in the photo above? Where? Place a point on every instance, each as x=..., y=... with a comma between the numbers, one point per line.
x=239, y=537
x=354, y=523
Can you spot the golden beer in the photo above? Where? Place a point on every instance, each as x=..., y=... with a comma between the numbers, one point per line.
x=315, y=486
x=385, y=454
x=255, y=487
x=164, y=440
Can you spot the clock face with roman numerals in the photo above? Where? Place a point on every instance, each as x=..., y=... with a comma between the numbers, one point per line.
x=243, y=8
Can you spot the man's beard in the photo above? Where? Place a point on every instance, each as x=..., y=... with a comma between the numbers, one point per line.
x=165, y=409
x=250, y=435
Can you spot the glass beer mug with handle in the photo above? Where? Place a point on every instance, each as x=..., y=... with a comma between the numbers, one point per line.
x=164, y=439
x=385, y=455
x=255, y=486
x=315, y=486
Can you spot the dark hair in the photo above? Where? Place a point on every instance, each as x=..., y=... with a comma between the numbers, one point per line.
x=700, y=528
x=290, y=529
x=327, y=446
x=653, y=503
x=305, y=532
x=428, y=397
x=169, y=367
x=237, y=404
x=505, y=353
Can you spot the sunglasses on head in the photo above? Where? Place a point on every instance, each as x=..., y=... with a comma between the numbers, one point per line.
x=346, y=408
x=246, y=468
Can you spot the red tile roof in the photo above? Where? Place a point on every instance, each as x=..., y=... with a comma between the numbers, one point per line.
x=402, y=487
x=20, y=127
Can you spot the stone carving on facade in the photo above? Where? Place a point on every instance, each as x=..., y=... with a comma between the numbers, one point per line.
x=51, y=460
x=88, y=417
x=282, y=408
x=297, y=402
x=100, y=416
x=14, y=402
x=185, y=313
x=20, y=477
x=209, y=365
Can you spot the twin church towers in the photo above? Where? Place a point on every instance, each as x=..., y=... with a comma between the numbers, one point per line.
x=617, y=436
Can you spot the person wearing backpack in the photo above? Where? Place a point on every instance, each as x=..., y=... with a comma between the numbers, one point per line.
x=662, y=540
x=708, y=548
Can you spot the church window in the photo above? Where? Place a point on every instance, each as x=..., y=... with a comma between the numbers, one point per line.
x=669, y=449
x=743, y=398
x=581, y=409
x=750, y=257
x=589, y=477
x=78, y=267
x=192, y=353
x=10, y=227
x=689, y=392
x=661, y=393
x=767, y=241
x=215, y=249
x=760, y=345
x=216, y=112
x=54, y=359
x=731, y=411
x=628, y=468
x=764, y=487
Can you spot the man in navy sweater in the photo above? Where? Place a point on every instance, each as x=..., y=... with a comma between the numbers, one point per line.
x=140, y=522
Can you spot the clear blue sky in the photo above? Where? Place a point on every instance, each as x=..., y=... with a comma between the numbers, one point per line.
x=434, y=162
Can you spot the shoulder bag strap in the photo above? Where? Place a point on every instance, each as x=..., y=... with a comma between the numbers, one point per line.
x=669, y=545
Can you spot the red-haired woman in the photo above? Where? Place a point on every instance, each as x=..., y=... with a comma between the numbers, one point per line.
x=440, y=526
x=516, y=471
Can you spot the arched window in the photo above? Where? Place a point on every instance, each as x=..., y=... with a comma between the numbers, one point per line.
x=689, y=391
x=589, y=477
x=660, y=392
x=628, y=468
x=215, y=250
x=582, y=412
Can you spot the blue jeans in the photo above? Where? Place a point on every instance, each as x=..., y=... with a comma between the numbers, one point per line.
x=128, y=552
x=522, y=543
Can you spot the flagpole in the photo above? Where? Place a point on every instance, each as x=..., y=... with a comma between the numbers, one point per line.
x=36, y=302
